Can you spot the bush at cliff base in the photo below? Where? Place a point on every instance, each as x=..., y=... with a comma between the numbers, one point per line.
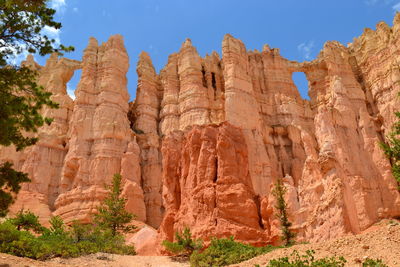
x=184, y=245
x=308, y=260
x=57, y=241
x=226, y=251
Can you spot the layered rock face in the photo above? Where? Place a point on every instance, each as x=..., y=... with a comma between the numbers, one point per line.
x=213, y=193
x=320, y=148
x=205, y=140
x=44, y=161
x=100, y=139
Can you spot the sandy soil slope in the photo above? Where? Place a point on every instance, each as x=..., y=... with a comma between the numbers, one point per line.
x=379, y=241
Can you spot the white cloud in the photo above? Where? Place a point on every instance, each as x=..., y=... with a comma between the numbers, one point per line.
x=13, y=57
x=374, y=2
x=396, y=7
x=306, y=49
x=17, y=59
x=52, y=33
x=58, y=5
x=70, y=91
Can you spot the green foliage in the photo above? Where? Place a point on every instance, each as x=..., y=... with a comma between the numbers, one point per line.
x=373, y=263
x=10, y=182
x=57, y=227
x=392, y=149
x=306, y=260
x=79, y=239
x=21, y=28
x=27, y=221
x=225, y=251
x=184, y=244
x=112, y=214
x=279, y=192
x=107, y=242
x=21, y=98
x=82, y=232
x=18, y=243
x=58, y=241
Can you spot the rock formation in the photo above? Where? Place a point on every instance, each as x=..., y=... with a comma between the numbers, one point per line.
x=100, y=138
x=213, y=193
x=44, y=161
x=207, y=138
x=146, y=110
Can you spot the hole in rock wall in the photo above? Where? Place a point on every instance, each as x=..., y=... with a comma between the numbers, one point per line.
x=73, y=83
x=301, y=82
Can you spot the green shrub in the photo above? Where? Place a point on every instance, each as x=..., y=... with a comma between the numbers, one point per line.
x=391, y=148
x=27, y=221
x=18, y=243
x=373, y=263
x=184, y=244
x=8, y=232
x=112, y=214
x=306, y=260
x=60, y=242
x=81, y=232
x=226, y=251
x=279, y=192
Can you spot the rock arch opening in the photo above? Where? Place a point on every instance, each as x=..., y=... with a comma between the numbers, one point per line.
x=301, y=82
x=72, y=85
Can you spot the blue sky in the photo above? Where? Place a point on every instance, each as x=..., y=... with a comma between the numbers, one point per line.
x=298, y=28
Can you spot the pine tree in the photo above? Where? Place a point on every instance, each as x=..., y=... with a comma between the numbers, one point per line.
x=112, y=214
x=184, y=243
x=392, y=149
x=10, y=184
x=279, y=192
x=27, y=221
x=21, y=98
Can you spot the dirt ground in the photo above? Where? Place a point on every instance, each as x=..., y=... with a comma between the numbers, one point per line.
x=379, y=241
x=97, y=260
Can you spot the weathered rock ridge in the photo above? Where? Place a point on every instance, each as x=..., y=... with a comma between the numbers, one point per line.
x=205, y=140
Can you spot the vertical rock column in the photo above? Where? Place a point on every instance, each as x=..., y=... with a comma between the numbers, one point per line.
x=99, y=130
x=350, y=163
x=169, y=113
x=243, y=111
x=193, y=94
x=376, y=64
x=146, y=109
x=43, y=162
x=193, y=90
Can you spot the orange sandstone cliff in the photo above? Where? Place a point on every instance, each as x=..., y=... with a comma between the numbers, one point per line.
x=206, y=138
